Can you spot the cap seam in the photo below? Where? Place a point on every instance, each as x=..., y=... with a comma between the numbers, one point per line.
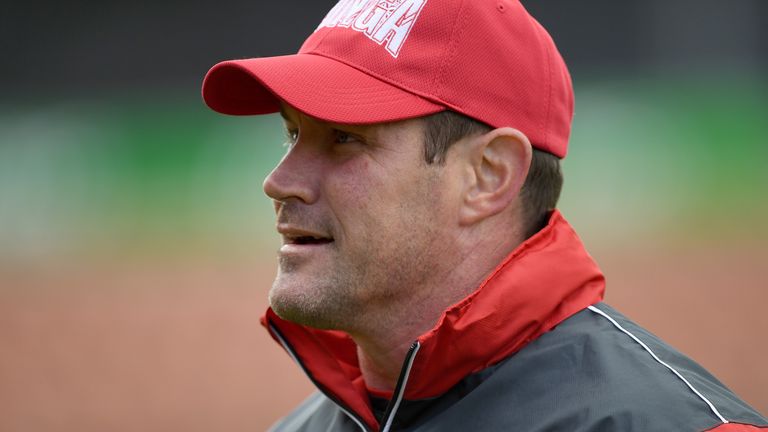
x=439, y=80
x=547, y=50
x=549, y=94
x=316, y=43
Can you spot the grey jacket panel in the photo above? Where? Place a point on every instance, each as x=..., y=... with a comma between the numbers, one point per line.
x=723, y=400
x=316, y=413
x=584, y=375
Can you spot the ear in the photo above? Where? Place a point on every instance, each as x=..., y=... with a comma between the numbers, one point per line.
x=498, y=163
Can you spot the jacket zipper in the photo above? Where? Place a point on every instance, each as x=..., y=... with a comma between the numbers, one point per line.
x=402, y=381
x=351, y=414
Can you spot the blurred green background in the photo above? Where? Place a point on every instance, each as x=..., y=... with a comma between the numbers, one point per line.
x=166, y=175
x=136, y=246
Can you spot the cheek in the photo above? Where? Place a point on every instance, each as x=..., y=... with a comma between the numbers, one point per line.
x=364, y=197
x=357, y=185
x=382, y=198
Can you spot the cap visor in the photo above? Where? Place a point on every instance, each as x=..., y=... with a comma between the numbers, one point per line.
x=319, y=86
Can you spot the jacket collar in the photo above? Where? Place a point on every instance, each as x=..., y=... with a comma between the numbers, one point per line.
x=542, y=282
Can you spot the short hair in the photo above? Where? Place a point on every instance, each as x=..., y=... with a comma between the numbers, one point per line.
x=542, y=186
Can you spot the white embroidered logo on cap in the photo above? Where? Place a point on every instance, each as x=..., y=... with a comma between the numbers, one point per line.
x=386, y=22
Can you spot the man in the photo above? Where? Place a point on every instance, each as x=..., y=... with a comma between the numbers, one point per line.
x=426, y=281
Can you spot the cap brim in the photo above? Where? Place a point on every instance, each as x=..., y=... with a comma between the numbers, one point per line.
x=319, y=86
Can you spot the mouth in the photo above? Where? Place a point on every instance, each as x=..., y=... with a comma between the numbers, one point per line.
x=296, y=239
x=307, y=240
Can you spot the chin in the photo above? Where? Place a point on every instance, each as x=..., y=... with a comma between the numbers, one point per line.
x=315, y=303
x=292, y=302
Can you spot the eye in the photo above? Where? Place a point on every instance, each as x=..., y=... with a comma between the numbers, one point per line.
x=341, y=137
x=291, y=136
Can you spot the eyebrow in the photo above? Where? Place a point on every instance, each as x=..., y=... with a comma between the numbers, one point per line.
x=287, y=117
x=354, y=128
x=284, y=114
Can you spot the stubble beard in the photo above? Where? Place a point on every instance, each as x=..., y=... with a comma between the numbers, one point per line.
x=324, y=301
x=353, y=296
x=377, y=285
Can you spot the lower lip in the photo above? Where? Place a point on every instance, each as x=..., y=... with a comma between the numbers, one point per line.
x=293, y=248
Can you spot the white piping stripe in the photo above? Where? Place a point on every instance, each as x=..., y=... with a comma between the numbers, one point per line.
x=296, y=359
x=618, y=326
x=402, y=389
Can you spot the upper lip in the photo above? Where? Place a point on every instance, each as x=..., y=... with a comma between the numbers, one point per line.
x=290, y=232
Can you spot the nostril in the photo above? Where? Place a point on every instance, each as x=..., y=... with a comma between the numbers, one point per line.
x=270, y=187
x=295, y=177
x=281, y=184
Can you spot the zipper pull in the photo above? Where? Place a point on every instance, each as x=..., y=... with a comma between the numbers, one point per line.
x=402, y=381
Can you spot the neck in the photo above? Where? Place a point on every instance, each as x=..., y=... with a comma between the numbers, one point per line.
x=381, y=370
x=382, y=348
x=383, y=344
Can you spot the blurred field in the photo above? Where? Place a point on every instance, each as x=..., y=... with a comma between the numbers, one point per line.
x=140, y=346
x=177, y=346
x=136, y=249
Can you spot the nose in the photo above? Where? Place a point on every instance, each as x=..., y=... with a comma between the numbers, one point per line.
x=295, y=177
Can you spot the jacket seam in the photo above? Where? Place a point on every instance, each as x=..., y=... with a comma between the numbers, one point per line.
x=712, y=407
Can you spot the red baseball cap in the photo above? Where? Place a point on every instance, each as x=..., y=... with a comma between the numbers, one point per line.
x=373, y=61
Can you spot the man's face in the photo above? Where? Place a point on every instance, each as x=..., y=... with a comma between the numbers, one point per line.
x=365, y=221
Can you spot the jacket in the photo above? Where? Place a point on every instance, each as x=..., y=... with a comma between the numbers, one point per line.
x=532, y=349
